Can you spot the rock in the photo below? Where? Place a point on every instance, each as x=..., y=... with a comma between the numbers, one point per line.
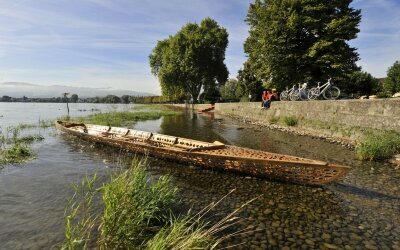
x=310, y=242
x=325, y=236
x=267, y=211
x=275, y=224
x=330, y=246
x=355, y=237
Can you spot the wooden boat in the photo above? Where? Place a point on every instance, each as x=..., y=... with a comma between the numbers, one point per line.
x=214, y=155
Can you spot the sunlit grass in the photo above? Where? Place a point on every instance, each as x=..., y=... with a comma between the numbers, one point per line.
x=138, y=214
x=378, y=146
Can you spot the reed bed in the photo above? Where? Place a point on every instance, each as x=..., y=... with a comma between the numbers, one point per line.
x=125, y=117
x=138, y=213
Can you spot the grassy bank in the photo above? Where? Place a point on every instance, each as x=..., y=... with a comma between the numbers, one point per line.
x=378, y=146
x=125, y=118
x=137, y=212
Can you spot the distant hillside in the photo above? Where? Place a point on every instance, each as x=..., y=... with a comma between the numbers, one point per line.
x=19, y=89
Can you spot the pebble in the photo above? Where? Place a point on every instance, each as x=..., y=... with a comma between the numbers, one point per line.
x=330, y=246
x=343, y=215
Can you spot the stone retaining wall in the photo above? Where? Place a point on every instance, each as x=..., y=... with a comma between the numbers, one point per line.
x=376, y=114
x=341, y=118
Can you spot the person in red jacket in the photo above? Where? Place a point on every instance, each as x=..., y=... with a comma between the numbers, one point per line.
x=266, y=99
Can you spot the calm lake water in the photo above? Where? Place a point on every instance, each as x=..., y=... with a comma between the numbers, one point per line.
x=362, y=211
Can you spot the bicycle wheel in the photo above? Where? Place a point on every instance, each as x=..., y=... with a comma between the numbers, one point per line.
x=313, y=93
x=331, y=93
x=284, y=96
x=294, y=95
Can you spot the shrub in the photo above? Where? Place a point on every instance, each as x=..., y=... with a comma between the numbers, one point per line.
x=290, y=120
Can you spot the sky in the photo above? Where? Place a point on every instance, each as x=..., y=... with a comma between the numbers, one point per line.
x=106, y=43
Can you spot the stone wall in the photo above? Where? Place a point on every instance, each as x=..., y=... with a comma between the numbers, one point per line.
x=375, y=114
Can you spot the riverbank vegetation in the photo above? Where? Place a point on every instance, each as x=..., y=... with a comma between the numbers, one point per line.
x=378, y=146
x=137, y=212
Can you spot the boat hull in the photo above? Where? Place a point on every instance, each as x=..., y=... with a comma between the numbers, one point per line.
x=296, y=170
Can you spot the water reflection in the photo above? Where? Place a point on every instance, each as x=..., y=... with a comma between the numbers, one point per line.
x=361, y=211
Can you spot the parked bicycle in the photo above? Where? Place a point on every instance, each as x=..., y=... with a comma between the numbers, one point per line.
x=328, y=91
x=284, y=96
x=299, y=94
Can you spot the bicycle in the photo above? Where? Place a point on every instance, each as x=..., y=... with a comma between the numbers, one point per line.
x=284, y=96
x=300, y=93
x=328, y=91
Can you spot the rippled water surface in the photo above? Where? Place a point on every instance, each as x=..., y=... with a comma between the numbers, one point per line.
x=362, y=211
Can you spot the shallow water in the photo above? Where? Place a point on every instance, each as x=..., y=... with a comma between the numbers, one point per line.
x=361, y=211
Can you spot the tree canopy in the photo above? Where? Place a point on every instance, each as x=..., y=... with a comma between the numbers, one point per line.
x=293, y=41
x=191, y=59
x=249, y=83
x=392, y=81
x=361, y=83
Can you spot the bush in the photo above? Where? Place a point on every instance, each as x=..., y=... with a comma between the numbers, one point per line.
x=290, y=120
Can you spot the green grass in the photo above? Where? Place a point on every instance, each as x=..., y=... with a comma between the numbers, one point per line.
x=138, y=214
x=273, y=119
x=14, y=149
x=124, y=118
x=79, y=215
x=134, y=207
x=15, y=154
x=30, y=139
x=378, y=146
x=191, y=232
x=290, y=121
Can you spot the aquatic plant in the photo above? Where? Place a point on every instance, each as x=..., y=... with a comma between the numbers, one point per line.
x=79, y=215
x=192, y=232
x=17, y=153
x=376, y=146
x=29, y=138
x=138, y=214
x=23, y=126
x=134, y=207
x=14, y=149
x=124, y=118
x=45, y=123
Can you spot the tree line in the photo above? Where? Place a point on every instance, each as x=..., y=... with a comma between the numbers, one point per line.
x=289, y=42
x=74, y=98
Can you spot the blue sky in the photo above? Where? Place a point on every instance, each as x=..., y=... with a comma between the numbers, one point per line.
x=106, y=43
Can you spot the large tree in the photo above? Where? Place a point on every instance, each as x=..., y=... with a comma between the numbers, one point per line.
x=249, y=83
x=192, y=59
x=361, y=83
x=293, y=41
x=392, y=81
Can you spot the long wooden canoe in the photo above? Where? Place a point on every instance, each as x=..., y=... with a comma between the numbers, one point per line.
x=214, y=155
